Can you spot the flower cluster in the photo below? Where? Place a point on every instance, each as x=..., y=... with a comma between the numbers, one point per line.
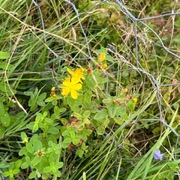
x=102, y=60
x=71, y=85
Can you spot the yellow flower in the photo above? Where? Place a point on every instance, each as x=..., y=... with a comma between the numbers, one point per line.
x=102, y=57
x=125, y=90
x=135, y=100
x=104, y=66
x=71, y=86
x=25, y=140
x=53, y=89
x=53, y=92
x=77, y=73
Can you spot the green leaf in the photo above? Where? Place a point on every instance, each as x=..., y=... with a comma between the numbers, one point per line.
x=177, y=23
x=125, y=116
x=41, y=99
x=2, y=108
x=47, y=169
x=90, y=83
x=33, y=99
x=61, y=110
x=28, y=93
x=75, y=141
x=6, y=173
x=105, y=122
x=32, y=175
x=118, y=120
x=100, y=115
x=6, y=89
x=80, y=153
x=84, y=134
x=72, y=134
x=54, y=102
x=100, y=130
x=22, y=152
x=4, y=55
x=121, y=111
x=37, y=144
x=53, y=130
x=65, y=133
x=25, y=165
x=57, y=174
x=4, y=164
x=16, y=171
x=86, y=121
x=108, y=101
x=66, y=142
x=2, y=131
x=36, y=160
x=131, y=105
x=86, y=114
x=18, y=164
x=29, y=148
x=77, y=115
x=5, y=119
x=50, y=99
x=110, y=58
x=125, y=74
x=60, y=164
x=112, y=111
x=4, y=65
x=48, y=121
x=23, y=135
x=87, y=96
x=38, y=119
x=35, y=127
x=101, y=81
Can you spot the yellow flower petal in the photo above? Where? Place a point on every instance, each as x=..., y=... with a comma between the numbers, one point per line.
x=65, y=91
x=77, y=86
x=104, y=66
x=75, y=80
x=66, y=82
x=53, y=89
x=70, y=71
x=77, y=73
x=74, y=94
x=135, y=100
x=25, y=140
x=125, y=90
x=102, y=57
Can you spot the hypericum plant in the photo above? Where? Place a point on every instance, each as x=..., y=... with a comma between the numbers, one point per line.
x=14, y=169
x=42, y=152
x=76, y=109
x=42, y=156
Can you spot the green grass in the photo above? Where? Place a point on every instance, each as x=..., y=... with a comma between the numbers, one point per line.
x=117, y=146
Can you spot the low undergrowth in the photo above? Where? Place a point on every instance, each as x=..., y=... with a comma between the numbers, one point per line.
x=80, y=100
